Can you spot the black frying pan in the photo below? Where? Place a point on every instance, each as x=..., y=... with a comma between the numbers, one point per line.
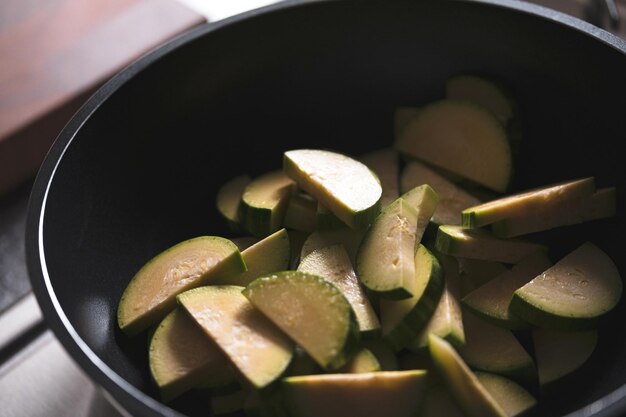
x=137, y=169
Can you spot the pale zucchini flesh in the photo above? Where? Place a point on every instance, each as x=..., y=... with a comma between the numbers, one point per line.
x=311, y=311
x=255, y=346
x=347, y=187
x=333, y=264
x=270, y=254
x=425, y=201
x=452, y=198
x=362, y=361
x=543, y=204
x=490, y=348
x=371, y=394
x=385, y=262
x=228, y=200
x=601, y=204
x=514, y=399
x=350, y=239
x=462, y=138
x=561, y=353
x=482, y=245
x=264, y=202
x=385, y=163
x=483, y=92
x=471, y=396
x=182, y=357
x=492, y=300
x=151, y=293
x=572, y=294
x=402, y=320
x=446, y=321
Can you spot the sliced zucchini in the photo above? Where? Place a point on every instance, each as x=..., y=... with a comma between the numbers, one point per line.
x=483, y=92
x=310, y=310
x=598, y=205
x=385, y=355
x=244, y=242
x=362, y=361
x=257, y=348
x=270, y=254
x=301, y=213
x=439, y=403
x=479, y=272
x=544, y=204
x=385, y=261
x=425, y=200
x=471, y=396
x=492, y=300
x=512, y=397
x=480, y=244
x=385, y=163
x=371, y=394
x=462, y=138
x=303, y=364
x=446, y=321
x=182, y=357
x=229, y=199
x=401, y=118
x=581, y=287
x=151, y=294
x=347, y=187
x=264, y=202
x=333, y=264
x=402, y=320
x=350, y=239
x=493, y=349
x=326, y=220
x=559, y=354
x=452, y=198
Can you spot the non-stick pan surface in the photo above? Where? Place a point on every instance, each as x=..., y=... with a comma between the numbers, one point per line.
x=137, y=169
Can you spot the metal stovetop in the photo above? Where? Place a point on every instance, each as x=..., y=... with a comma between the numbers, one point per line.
x=37, y=377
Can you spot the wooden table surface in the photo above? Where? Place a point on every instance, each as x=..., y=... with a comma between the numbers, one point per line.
x=55, y=53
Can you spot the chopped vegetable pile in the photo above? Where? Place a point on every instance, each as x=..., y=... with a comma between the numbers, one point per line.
x=392, y=283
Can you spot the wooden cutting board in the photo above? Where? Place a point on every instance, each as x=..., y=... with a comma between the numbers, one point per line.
x=55, y=53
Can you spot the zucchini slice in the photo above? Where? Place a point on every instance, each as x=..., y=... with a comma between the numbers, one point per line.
x=151, y=294
x=493, y=349
x=372, y=394
x=228, y=200
x=347, y=187
x=512, y=397
x=452, y=198
x=385, y=163
x=581, y=287
x=333, y=264
x=559, y=354
x=182, y=357
x=385, y=262
x=264, y=202
x=471, y=396
x=482, y=245
x=462, y=138
x=598, y=205
x=270, y=254
x=301, y=213
x=402, y=320
x=350, y=239
x=492, y=300
x=326, y=220
x=257, y=348
x=483, y=92
x=446, y=321
x=544, y=204
x=362, y=361
x=311, y=311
